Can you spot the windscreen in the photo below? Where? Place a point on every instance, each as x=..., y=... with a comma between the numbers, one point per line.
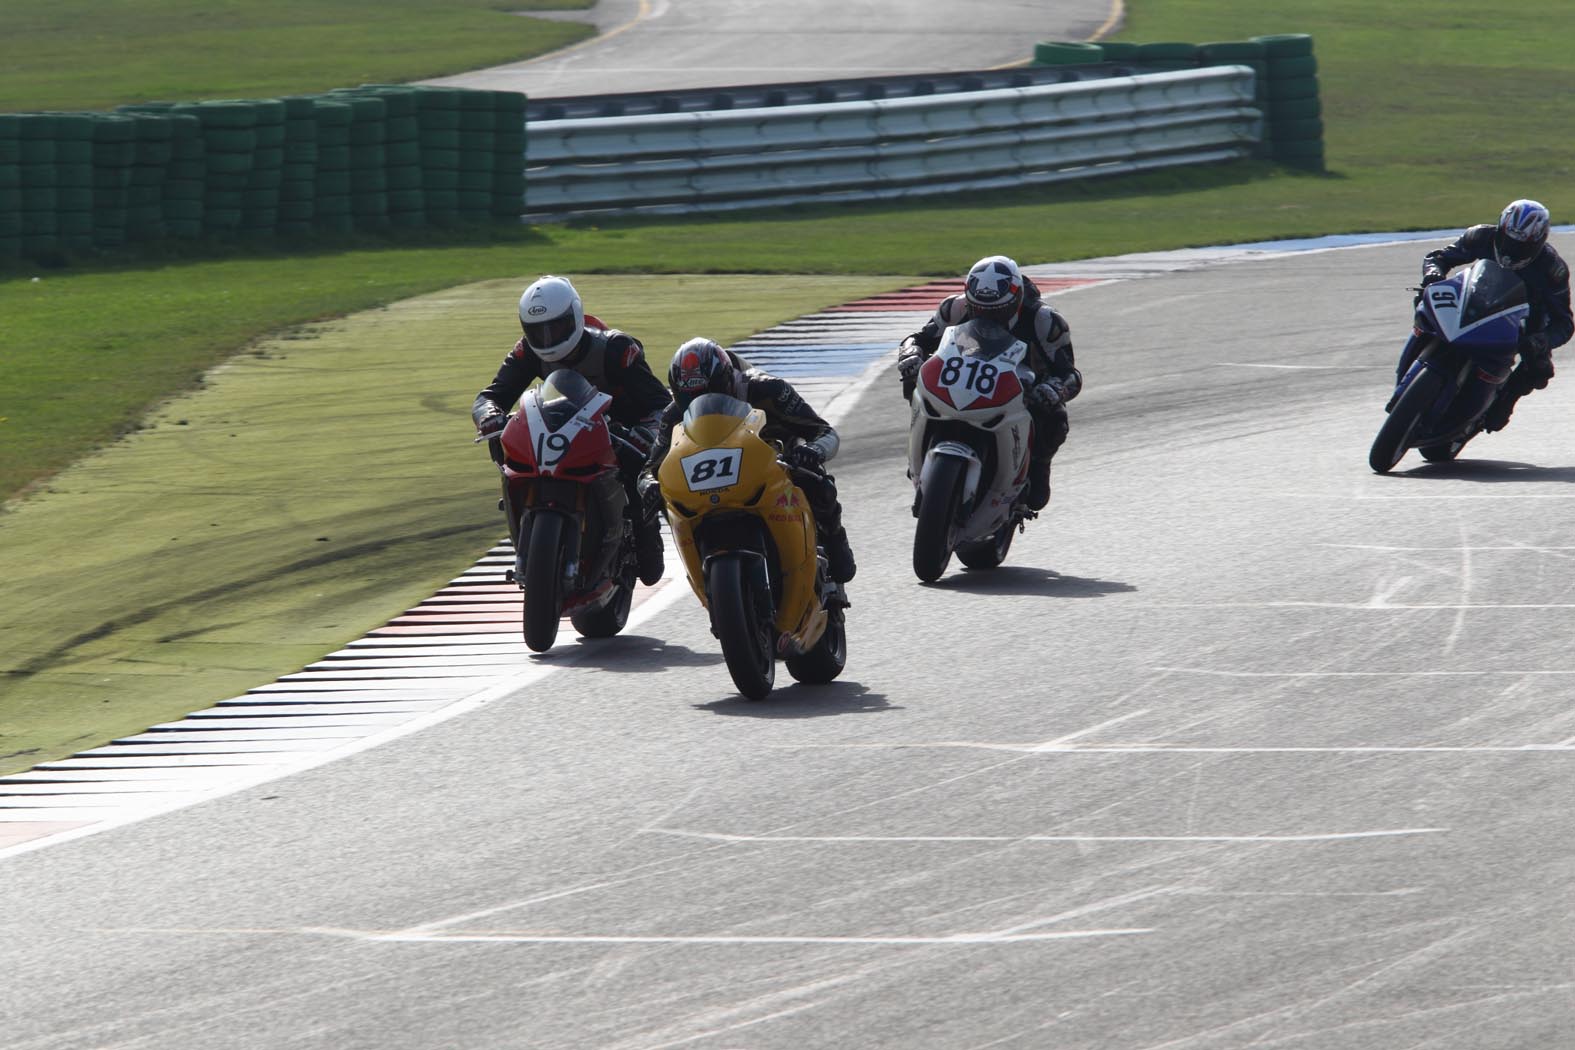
x=983, y=338
x=562, y=394
x=1489, y=289
x=716, y=405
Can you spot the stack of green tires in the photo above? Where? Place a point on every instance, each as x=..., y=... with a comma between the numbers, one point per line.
x=229, y=136
x=368, y=158
x=37, y=179
x=1067, y=53
x=184, y=179
x=1294, y=116
x=1244, y=53
x=331, y=205
x=440, y=155
x=298, y=176
x=75, y=220
x=260, y=205
x=10, y=188
x=114, y=157
x=1166, y=56
x=407, y=205
x=153, y=137
x=508, y=170
x=478, y=123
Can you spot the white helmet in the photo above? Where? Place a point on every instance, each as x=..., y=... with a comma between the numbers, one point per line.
x=995, y=289
x=553, y=318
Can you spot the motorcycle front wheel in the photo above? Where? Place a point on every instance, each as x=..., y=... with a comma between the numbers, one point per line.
x=940, y=488
x=1394, y=437
x=544, y=579
x=748, y=638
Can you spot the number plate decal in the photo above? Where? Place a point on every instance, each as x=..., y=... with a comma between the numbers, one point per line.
x=714, y=468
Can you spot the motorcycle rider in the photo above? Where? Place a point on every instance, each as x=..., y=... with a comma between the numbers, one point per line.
x=558, y=334
x=1518, y=242
x=996, y=289
x=702, y=366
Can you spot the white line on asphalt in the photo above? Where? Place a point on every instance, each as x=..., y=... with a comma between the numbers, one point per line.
x=1328, y=837
x=955, y=938
x=1357, y=674
x=1189, y=749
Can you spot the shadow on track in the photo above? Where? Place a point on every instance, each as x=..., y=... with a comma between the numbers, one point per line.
x=641, y=654
x=806, y=701
x=1494, y=471
x=1025, y=579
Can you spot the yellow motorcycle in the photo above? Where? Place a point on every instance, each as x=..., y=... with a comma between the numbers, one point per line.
x=747, y=539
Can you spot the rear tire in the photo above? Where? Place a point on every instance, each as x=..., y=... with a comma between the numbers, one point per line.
x=609, y=619
x=988, y=553
x=825, y=661
x=544, y=579
x=1442, y=453
x=940, y=495
x=1394, y=437
x=748, y=645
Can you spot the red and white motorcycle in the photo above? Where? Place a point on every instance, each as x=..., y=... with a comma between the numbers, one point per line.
x=565, y=500
x=968, y=443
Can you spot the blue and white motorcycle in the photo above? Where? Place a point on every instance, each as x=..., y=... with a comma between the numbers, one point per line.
x=1468, y=328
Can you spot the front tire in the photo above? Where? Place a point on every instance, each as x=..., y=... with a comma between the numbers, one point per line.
x=1394, y=437
x=544, y=579
x=940, y=488
x=825, y=661
x=748, y=640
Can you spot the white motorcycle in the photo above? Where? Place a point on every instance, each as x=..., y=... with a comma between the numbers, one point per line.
x=968, y=444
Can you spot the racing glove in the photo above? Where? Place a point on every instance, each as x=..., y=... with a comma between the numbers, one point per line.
x=1045, y=397
x=808, y=456
x=492, y=426
x=908, y=364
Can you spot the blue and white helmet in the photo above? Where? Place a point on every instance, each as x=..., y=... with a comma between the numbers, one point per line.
x=995, y=289
x=1522, y=231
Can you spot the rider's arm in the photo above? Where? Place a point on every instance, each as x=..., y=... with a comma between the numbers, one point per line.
x=952, y=310
x=1475, y=243
x=1054, y=359
x=787, y=411
x=1560, y=323
x=519, y=369
x=664, y=437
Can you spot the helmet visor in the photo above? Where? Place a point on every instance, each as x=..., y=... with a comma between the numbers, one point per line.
x=1515, y=254
x=543, y=335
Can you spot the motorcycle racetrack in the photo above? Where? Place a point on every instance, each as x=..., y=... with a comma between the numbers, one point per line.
x=1245, y=746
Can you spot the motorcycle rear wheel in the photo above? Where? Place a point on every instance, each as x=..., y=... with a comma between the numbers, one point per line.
x=609, y=619
x=544, y=579
x=825, y=661
x=940, y=495
x=988, y=553
x=748, y=644
x=1442, y=453
x=1394, y=437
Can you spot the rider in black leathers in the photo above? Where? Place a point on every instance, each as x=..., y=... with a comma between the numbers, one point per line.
x=702, y=366
x=997, y=289
x=557, y=336
x=1519, y=242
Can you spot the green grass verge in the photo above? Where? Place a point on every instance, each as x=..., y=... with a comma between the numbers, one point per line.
x=89, y=54
x=316, y=484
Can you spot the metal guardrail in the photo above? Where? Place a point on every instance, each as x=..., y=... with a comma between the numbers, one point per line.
x=873, y=150
x=813, y=92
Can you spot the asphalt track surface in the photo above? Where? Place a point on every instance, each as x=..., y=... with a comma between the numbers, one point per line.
x=649, y=45
x=1245, y=747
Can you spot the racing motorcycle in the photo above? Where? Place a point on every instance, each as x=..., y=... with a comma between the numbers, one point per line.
x=746, y=535
x=565, y=501
x=1468, y=327
x=968, y=445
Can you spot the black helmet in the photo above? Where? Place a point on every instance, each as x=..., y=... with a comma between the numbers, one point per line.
x=1522, y=231
x=700, y=366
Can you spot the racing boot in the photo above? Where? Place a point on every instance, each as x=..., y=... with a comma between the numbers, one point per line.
x=1038, y=483
x=839, y=557
x=648, y=533
x=1497, y=417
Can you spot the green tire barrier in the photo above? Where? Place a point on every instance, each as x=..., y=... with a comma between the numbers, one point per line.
x=1287, y=82
x=353, y=159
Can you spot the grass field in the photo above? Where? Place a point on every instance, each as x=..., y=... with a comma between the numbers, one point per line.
x=92, y=54
x=1435, y=118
